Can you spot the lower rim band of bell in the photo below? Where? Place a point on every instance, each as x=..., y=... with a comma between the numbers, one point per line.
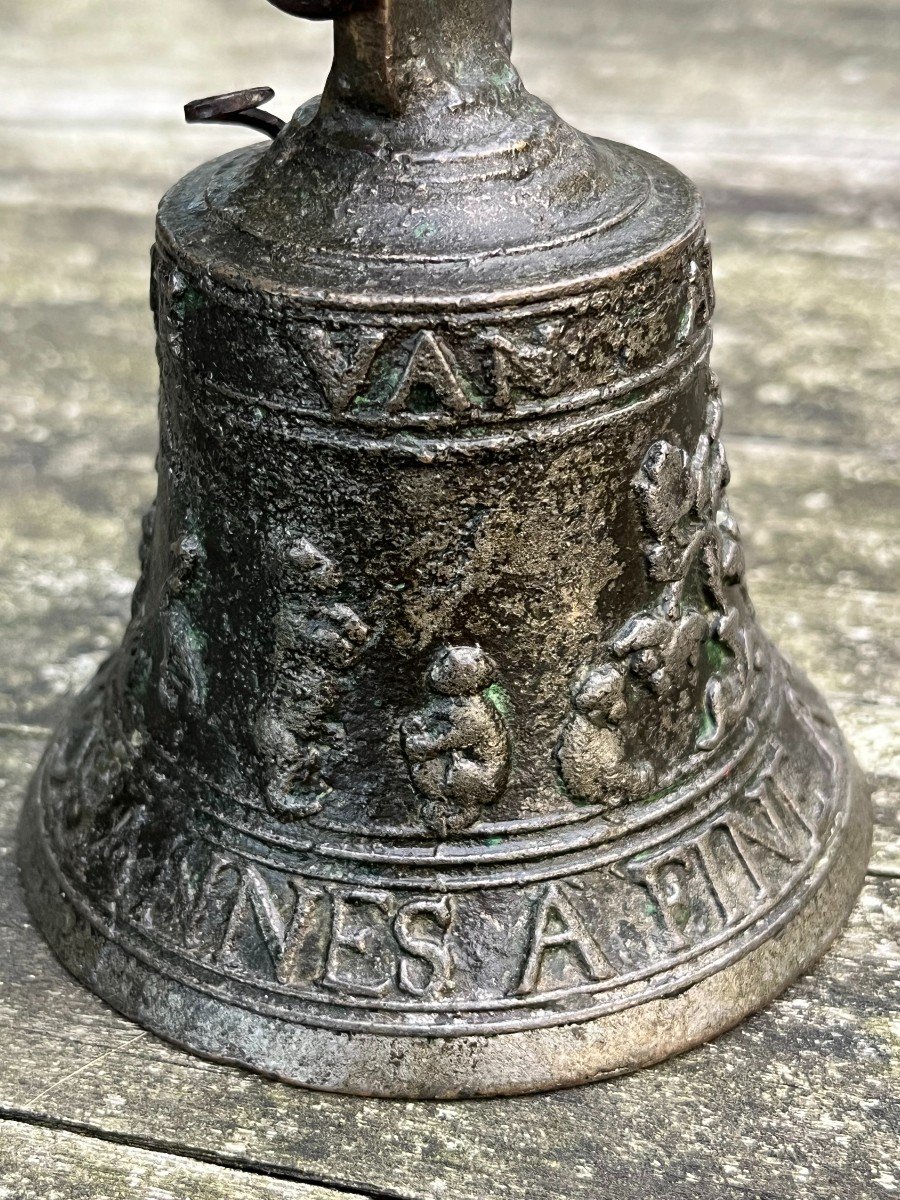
x=374, y=990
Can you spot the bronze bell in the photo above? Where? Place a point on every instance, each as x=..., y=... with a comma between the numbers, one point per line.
x=443, y=755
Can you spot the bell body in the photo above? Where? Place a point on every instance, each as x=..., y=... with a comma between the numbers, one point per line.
x=443, y=755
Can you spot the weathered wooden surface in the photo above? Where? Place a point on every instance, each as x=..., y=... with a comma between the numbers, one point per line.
x=786, y=113
x=45, y=1164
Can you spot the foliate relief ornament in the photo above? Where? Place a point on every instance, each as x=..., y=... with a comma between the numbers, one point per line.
x=690, y=656
x=592, y=756
x=458, y=748
x=317, y=638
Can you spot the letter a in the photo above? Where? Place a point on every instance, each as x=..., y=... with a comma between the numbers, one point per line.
x=554, y=908
x=430, y=363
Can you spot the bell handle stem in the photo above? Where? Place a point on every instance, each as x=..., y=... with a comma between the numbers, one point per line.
x=406, y=54
x=397, y=57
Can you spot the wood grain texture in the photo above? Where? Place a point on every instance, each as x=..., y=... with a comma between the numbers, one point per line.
x=47, y=1164
x=786, y=114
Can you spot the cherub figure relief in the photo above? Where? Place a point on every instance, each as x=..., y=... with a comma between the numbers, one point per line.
x=593, y=760
x=182, y=674
x=299, y=735
x=457, y=749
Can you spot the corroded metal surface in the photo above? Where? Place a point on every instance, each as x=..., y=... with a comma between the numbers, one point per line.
x=443, y=755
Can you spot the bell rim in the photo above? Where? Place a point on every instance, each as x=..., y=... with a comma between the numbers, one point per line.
x=461, y=1066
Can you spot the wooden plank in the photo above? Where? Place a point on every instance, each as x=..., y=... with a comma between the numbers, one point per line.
x=46, y=1164
x=805, y=340
x=886, y=849
x=800, y=1100
x=873, y=730
x=797, y=97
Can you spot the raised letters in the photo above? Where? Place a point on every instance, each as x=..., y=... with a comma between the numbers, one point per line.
x=281, y=933
x=402, y=951
x=557, y=926
x=341, y=370
x=429, y=963
x=431, y=364
x=698, y=885
x=356, y=953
